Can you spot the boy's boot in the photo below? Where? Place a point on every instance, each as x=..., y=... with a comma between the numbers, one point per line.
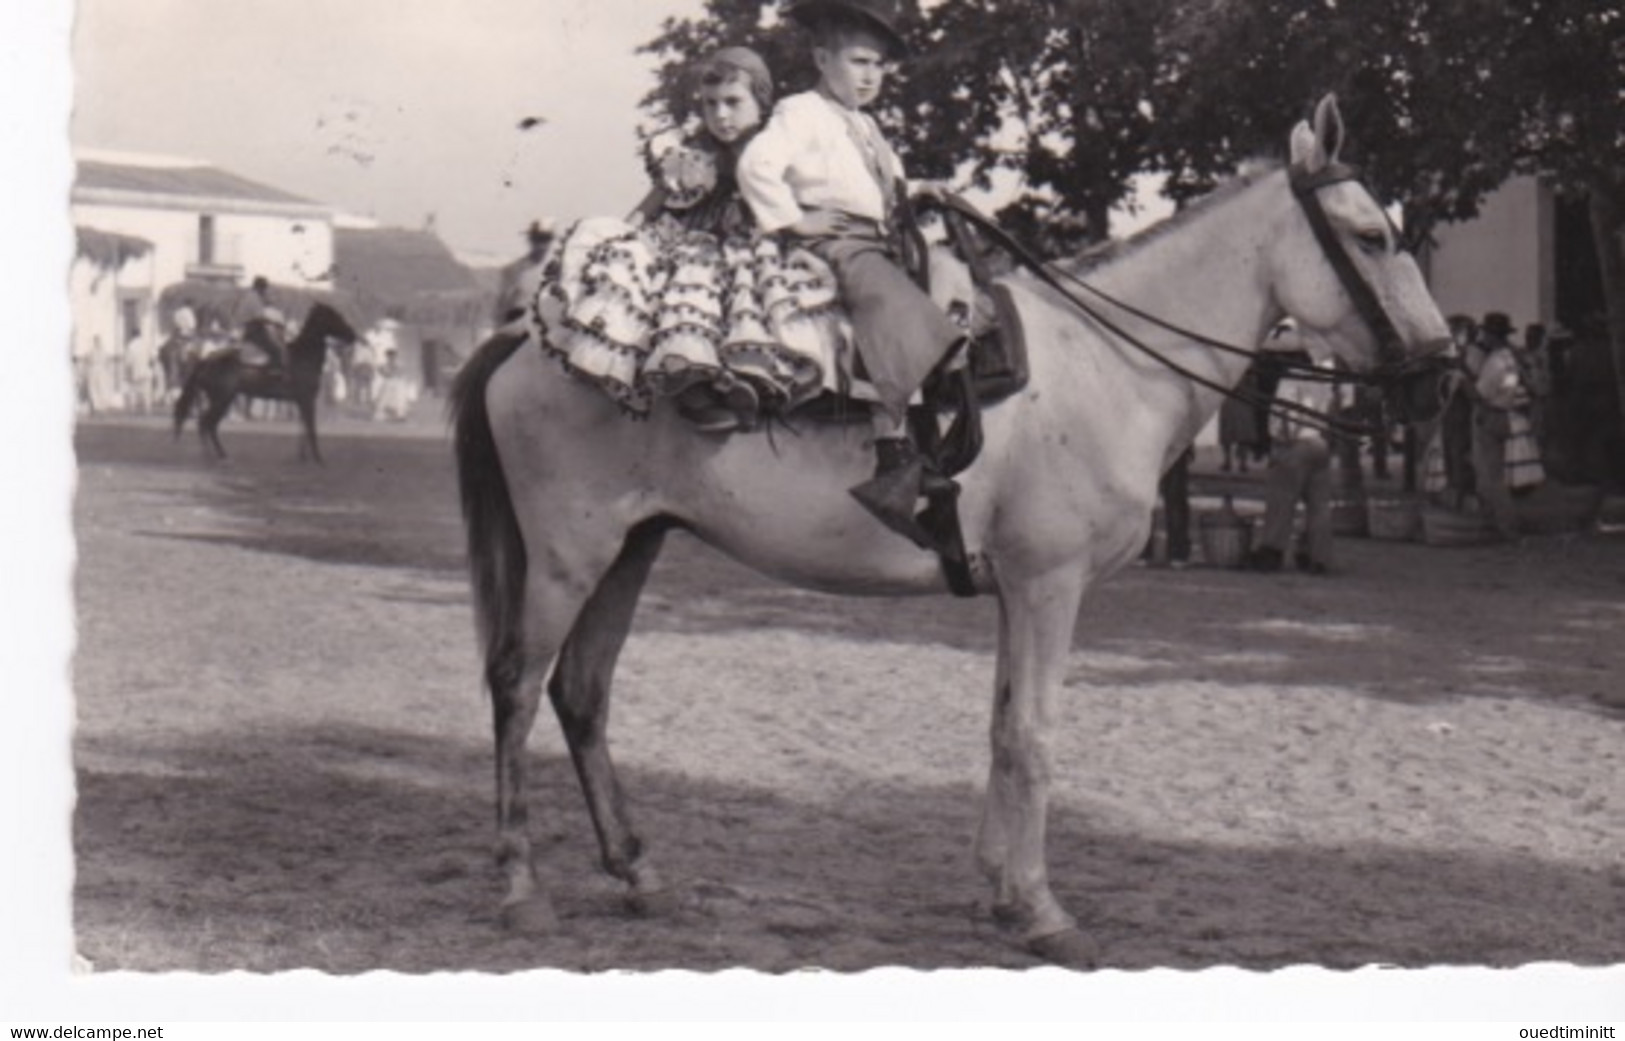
x=901, y=477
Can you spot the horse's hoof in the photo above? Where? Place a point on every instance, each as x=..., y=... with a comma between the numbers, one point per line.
x=1068, y=949
x=533, y=917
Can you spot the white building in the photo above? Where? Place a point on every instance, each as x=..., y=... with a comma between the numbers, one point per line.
x=205, y=224
x=111, y=287
x=1528, y=254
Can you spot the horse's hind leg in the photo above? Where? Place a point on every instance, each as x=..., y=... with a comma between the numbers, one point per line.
x=208, y=426
x=579, y=691
x=558, y=581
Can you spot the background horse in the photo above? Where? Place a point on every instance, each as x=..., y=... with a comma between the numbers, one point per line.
x=566, y=503
x=219, y=378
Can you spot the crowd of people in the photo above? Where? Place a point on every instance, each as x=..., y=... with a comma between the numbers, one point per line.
x=1486, y=451
x=1488, y=447
x=367, y=377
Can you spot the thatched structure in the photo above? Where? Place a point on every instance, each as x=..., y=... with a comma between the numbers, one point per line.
x=108, y=250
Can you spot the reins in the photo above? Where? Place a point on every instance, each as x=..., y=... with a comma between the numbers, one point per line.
x=957, y=212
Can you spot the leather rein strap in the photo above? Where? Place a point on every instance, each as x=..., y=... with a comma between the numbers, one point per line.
x=1392, y=363
x=1315, y=418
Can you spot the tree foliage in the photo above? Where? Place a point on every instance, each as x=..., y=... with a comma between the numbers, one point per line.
x=1071, y=99
x=1444, y=98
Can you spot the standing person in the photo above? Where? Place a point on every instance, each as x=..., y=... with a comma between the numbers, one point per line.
x=1456, y=422
x=141, y=372
x=394, y=394
x=1174, y=489
x=1238, y=427
x=822, y=172
x=1498, y=394
x=1300, y=470
x=685, y=299
x=1534, y=368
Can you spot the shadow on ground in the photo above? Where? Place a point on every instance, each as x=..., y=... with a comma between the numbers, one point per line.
x=349, y=848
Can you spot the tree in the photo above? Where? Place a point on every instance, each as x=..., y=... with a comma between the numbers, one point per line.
x=1054, y=91
x=1445, y=100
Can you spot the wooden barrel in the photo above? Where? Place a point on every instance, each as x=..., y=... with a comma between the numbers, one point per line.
x=1349, y=517
x=1397, y=518
x=1226, y=545
x=1441, y=527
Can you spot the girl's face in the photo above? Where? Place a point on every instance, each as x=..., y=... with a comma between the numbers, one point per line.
x=853, y=68
x=729, y=109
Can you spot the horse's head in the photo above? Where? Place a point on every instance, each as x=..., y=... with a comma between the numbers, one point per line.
x=323, y=323
x=1340, y=269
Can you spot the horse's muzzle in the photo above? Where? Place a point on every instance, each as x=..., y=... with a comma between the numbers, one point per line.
x=1416, y=390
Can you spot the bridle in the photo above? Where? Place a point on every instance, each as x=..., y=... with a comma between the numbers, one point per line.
x=1393, y=373
x=1395, y=369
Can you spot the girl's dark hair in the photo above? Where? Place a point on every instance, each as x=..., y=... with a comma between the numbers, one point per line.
x=732, y=63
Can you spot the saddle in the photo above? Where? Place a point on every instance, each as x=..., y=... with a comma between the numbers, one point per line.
x=258, y=347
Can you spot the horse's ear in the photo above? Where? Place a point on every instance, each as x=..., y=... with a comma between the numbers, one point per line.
x=1306, y=152
x=1329, y=127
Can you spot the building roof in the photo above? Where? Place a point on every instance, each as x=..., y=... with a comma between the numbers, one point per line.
x=409, y=275
x=192, y=185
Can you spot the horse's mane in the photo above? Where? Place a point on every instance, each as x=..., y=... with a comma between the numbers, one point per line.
x=1114, y=250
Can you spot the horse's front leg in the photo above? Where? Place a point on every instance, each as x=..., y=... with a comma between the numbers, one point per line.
x=1036, y=618
x=308, y=448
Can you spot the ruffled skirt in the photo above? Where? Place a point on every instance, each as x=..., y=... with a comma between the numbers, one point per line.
x=649, y=311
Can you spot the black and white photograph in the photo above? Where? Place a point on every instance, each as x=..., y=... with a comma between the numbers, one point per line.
x=599, y=487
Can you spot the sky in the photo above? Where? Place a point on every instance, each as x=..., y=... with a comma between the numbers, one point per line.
x=394, y=109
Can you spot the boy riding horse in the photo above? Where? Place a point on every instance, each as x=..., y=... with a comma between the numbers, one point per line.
x=822, y=172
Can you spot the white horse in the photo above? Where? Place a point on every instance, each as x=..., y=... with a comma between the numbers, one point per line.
x=566, y=501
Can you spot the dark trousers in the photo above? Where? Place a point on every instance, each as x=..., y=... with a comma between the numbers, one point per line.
x=902, y=334
x=1174, y=488
x=1300, y=471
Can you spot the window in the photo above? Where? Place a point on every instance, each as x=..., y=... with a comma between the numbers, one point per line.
x=205, y=238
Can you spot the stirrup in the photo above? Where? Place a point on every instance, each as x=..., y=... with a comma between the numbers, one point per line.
x=891, y=497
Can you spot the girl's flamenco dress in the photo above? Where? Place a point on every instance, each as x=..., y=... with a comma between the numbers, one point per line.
x=687, y=293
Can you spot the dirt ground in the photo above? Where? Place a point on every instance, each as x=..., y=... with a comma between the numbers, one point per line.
x=283, y=756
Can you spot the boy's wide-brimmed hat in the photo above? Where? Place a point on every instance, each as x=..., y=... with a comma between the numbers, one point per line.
x=884, y=16
x=1496, y=323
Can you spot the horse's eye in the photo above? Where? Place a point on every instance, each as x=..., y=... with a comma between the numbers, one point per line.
x=1373, y=241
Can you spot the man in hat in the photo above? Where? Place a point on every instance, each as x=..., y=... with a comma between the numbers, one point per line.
x=821, y=171
x=519, y=279
x=260, y=321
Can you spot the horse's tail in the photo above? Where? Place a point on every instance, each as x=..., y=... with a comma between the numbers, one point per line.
x=188, y=395
x=496, y=549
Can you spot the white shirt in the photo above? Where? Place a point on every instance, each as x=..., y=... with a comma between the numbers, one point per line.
x=1499, y=382
x=808, y=157
x=1290, y=425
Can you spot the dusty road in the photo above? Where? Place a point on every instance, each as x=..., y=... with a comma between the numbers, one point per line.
x=283, y=757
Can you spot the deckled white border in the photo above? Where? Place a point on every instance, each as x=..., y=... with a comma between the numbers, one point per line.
x=36, y=864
